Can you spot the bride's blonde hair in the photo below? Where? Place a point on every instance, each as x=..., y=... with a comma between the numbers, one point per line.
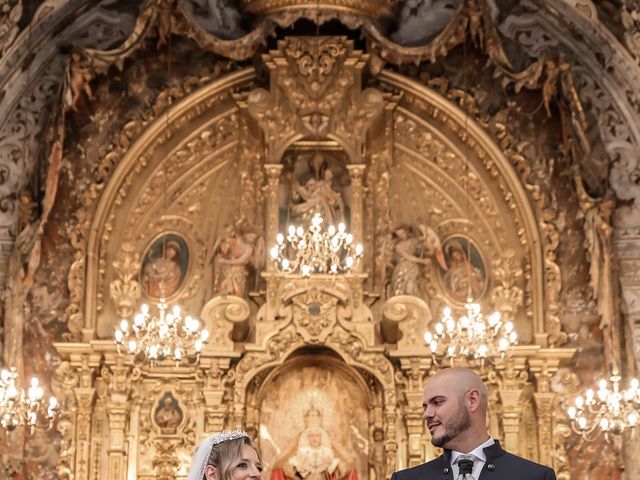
x=225, y=456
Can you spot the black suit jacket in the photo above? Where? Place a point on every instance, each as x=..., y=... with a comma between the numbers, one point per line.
x=500, y=465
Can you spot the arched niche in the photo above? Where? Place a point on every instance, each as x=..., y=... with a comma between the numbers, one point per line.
x=314, y=389
x=314, y=178
x=172, y=180
x=345, y=355
x=448, y=174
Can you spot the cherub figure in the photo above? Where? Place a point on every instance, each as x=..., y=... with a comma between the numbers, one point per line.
x=377, y=455
x=78, y=77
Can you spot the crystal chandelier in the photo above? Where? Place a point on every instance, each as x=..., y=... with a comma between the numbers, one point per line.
x=315, y=251
x=473, y=336
x=161, y=336
x=608, y=410
x=24, y=408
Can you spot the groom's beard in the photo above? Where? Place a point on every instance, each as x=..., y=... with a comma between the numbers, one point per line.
x=456, y=425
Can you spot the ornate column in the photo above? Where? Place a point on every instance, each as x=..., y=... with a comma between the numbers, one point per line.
x=415, y=430
x=85, y=396
x=64, y=383
x=132, y=434
x=237, y=415
x=390, y=444
x=513, y=378
x=119, y=379
x=357, y=195
x=357, y=201
x=544, y=401
x=273, y=179
x=411, y=315
x=415, y=370
x=215, y=382
x=117, y=453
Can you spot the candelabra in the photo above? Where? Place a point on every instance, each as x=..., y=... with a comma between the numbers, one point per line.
x=24, y=408
x=472, y=336
x=609, y=410
x=315, y=251
x=161, y=336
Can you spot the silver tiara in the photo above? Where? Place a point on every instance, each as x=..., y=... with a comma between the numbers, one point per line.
x=226, y=436
x=201, y=456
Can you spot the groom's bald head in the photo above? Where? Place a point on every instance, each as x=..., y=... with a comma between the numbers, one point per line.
x=455, y=408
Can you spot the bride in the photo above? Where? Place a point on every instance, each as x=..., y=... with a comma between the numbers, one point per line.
x=226, y=456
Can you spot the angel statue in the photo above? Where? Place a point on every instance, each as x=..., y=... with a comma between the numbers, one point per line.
x=234, y=254
x=408, y=251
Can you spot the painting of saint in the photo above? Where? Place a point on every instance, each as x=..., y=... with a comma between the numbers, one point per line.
x=465, y=276
x=314, y=182
x=164, y=266
x=168, y=414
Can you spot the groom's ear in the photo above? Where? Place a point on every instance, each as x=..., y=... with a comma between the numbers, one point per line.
x=211, y=473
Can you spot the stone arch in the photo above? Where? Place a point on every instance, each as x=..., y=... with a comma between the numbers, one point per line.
x=280, y=346
x=484, y=155
x=142, y=164
x=346, y=400
x=348, y=347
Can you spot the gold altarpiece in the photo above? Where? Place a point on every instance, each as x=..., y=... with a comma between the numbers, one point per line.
x=347, y=346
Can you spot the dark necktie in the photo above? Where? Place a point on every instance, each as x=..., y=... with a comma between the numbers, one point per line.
x=465, y=467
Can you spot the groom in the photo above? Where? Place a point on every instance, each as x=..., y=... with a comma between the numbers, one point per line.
x=455, y=412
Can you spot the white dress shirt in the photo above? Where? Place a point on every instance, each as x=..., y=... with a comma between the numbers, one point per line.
x=479, y=461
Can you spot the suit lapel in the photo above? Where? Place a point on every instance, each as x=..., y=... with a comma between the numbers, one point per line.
x=492, y=453
x=444, y=465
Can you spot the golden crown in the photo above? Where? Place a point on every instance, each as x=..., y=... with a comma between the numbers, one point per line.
x=371, y=8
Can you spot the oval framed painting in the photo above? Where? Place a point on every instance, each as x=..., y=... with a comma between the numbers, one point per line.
x=466, y=273
x=164, y=266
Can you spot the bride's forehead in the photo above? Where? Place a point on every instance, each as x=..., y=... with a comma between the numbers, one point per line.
x=249, y=452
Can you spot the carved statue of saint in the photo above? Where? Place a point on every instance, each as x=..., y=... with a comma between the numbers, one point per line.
x=234, y=255
x=314, y=457
x=315, y=194
x=410, y=251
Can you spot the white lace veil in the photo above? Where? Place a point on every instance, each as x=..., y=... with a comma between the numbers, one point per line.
x=203, y=450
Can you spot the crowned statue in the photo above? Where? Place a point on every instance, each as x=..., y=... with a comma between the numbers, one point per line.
x=314, y=457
